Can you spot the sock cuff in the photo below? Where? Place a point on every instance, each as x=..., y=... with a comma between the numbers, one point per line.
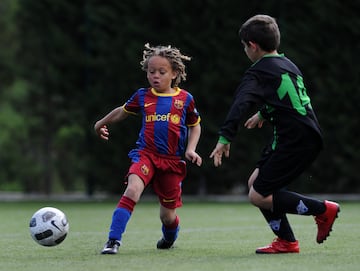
x=173, y=225
x=126, y=203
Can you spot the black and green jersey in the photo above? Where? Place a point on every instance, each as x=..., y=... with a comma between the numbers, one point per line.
x=276, y=85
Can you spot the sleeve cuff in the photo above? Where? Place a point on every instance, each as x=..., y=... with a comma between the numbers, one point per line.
x=223, y=140
x=260, y=116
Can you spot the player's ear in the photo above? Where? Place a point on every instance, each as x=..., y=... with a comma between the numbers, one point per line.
x=254, y=46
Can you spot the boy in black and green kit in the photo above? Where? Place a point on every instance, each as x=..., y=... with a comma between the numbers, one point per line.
x=275, y=85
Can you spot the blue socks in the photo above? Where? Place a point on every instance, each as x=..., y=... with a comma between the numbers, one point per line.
x=120, y=219
x=170, y=235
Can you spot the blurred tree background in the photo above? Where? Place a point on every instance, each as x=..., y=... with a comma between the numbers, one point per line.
x=66, y=63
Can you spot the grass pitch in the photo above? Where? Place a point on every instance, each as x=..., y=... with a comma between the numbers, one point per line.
x=213, y=236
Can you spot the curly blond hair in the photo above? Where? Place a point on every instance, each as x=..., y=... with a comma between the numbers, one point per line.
x=172, y=54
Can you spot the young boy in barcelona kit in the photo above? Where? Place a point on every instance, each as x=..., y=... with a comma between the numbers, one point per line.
x=170, y=130
x=275, y=85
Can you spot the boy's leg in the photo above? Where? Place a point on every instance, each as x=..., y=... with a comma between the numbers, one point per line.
x=294, y=203
x=119, y=221
x=123, y=213
x=170, y=227
x=325, y=212
x=121, y=217
x=168, y=188
x=285, y=241
x=280, y=168
x=279, y=224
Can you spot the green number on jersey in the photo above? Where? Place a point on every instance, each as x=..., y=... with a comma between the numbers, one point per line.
x=297, y=94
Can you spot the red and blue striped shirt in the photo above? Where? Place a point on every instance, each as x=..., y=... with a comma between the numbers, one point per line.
x=165, y=120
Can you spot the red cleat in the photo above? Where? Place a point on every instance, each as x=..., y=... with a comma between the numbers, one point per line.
x=326, y=220
x=279, y=246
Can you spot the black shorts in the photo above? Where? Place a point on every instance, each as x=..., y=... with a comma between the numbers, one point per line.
x=279, y=167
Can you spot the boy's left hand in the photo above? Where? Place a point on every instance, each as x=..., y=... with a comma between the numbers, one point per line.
x=254, y=121
x=193, y=157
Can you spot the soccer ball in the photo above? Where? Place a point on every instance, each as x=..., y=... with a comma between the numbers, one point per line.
x=49, y=226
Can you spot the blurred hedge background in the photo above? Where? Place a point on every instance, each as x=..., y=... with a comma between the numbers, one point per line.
x=66, y=63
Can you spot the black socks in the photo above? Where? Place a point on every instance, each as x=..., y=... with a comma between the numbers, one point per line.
x=286, y=202
x=279, y=224
x=293, y=203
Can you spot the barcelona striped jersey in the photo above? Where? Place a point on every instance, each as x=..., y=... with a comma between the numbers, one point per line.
x=165, y=120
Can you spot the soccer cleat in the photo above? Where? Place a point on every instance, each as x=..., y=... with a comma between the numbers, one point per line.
x=279, y=246
x=163, y=244
x=111, y=247
x=326, y=220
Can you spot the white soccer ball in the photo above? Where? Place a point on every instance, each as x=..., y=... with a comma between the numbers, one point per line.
x=49, y=226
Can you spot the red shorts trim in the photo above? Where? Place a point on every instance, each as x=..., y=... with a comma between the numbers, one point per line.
x=165, y=176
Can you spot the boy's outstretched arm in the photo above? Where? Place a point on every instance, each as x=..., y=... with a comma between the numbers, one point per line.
x=193, y=139
x=116, y=115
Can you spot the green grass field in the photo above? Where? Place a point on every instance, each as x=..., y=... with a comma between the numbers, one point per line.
x=213, y=236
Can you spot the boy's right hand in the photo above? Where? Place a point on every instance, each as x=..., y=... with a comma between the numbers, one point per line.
x=220, y=150
x=103, y=132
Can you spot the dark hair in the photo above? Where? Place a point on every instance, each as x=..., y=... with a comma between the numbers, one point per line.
x=263, y=30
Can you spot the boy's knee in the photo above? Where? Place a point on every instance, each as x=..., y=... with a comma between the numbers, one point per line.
x=260, y=201
x=253, y=177
x=133, y=193
x=252, y=199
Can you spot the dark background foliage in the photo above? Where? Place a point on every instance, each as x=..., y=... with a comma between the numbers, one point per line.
x=66, y=63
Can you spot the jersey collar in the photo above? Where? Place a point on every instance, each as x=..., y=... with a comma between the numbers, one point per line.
x=268, y=55
x=177, y=91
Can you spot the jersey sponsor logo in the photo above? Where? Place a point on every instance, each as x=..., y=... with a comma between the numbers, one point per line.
x=174, y=118
x=148, y=104
x=179, y=104
x=144, y=169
